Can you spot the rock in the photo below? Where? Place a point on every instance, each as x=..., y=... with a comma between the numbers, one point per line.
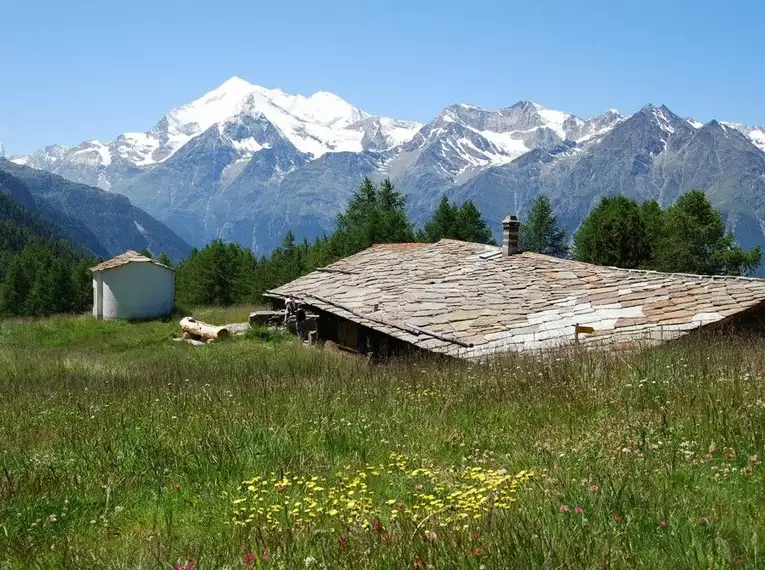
x=265, y=317
x=190, y=341
x=238, y=328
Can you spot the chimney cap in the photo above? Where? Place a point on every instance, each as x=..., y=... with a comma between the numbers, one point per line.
x=510, y=218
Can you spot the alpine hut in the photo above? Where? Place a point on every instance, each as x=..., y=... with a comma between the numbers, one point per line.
x=132, y=286
x=476, y=301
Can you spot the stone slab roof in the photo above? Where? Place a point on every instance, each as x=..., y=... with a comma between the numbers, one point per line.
x=471, y=301
x=125, y=258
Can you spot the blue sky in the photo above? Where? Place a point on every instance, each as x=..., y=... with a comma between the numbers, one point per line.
x=73, y=71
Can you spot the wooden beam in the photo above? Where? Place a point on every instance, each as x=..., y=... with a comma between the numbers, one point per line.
x=335, y=270
x=416, y=331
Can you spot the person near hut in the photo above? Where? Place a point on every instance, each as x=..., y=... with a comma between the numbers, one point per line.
x=300, y=324
x=290, y=308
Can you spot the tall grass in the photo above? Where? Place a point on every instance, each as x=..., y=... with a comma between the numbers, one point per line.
x=120, y=448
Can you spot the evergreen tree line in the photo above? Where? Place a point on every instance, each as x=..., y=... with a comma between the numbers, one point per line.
x=228, y=273
x=40, y=273
x=688, y=237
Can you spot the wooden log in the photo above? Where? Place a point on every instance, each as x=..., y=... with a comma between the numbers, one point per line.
x=206, y=331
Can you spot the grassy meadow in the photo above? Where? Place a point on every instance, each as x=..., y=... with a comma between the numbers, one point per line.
x=121, y=449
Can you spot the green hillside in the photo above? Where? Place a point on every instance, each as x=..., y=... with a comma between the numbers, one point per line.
x=41, y=272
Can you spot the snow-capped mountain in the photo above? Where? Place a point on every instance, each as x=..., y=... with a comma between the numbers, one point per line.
x=315, y=125
x=651, y=154
x=247, y=163
x=464, y=139
x=755, y=134
x=2, y=151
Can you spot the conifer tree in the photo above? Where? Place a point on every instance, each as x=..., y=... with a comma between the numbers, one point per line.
x=693, y=239
x=218, y=274
x=164, y=259
x=441, y=224
x=462, y=223
x=38, y=282
x=372, y=216
x=470, y=226
x=688, y=237
x=613, y=234
x=540, y=231
x=15, y=289
x=394, y=224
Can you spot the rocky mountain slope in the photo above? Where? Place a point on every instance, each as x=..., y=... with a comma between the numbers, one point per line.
x=20, y=224
x=102, y=222
x=652, y=154
x=247, y=163
x=59, y=223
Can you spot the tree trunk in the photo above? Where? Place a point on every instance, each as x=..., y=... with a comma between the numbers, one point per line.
x=199, y=329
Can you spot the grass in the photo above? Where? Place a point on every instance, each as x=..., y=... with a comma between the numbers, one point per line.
x=120, y=448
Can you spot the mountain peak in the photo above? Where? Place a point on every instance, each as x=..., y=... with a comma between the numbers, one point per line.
x=663, y=117
x=234, y=82
x=326, y=95
x=650, y=108
x=719, y=127
x=316, y=124
x=526, y=106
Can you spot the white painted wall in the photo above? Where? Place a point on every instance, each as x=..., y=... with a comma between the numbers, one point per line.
x=98, y=298
x=136, y=290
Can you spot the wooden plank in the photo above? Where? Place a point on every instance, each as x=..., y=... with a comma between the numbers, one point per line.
x=336, y=270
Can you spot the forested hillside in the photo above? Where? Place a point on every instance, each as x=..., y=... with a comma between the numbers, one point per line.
x=52, y=230
x=105, y=223
x=41, y=272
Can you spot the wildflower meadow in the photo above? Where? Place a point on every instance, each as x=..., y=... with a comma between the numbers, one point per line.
x=121, y=449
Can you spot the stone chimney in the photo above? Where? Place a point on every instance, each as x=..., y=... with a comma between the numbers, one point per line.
x=510, y=227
